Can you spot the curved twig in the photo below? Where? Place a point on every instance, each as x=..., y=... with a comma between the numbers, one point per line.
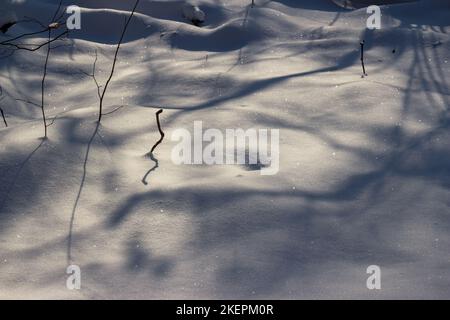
x=150, y=154
x=160, y=131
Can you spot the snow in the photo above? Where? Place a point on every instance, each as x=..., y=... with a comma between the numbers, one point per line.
x=364, y=174
x=193, y=13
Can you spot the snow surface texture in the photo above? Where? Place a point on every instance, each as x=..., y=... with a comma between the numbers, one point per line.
x=364, y=168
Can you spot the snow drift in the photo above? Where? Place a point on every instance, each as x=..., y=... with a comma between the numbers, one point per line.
x=364, y=171
x=193, y=14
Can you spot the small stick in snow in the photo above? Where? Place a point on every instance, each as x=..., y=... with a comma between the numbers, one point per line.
x=253, y=3
x=3, y=116
x=160, y=131
x=150, y=154
x=362, y=58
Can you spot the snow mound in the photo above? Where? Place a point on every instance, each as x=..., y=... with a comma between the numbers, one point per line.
x=364, y=171
x=193, y=14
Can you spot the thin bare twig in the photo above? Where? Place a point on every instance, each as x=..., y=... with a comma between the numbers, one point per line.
x=29, y=102
x=160, y=131
x=45, y=29
x=43, y=84
x=102, y=96
x=55, y=23
x=23, y=36
x=53, y=121
x=31, y=19
x=116, y=109
x=92, y=75
x=52, y=25
x=57, y=11
x=24, y=46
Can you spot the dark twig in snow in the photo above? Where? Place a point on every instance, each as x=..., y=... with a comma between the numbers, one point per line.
x=362, y=58
x=150, y=154
x=43, y=85
x=160, y=131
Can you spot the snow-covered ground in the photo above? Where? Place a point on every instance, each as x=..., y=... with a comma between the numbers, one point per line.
x=364, y=162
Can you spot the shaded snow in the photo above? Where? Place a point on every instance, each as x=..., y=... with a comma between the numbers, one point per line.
x=364, y=176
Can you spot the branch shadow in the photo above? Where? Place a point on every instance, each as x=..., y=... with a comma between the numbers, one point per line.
x=155, y=160
x=21, y=166
x=77, y=199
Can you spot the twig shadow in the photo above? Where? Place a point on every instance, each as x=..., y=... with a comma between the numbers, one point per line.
x=22, y=165
x=75, y=206
x=155, y=160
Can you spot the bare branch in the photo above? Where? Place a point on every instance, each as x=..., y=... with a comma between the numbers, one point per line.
x=51, y=122
x=92, y=75
x=43, y=84
x=102, y=96
x=37, y=46
x=118, y=108
x=57, y=11
x=23, y=36
x=55, y=23
x=31, y=19
x=29, y=102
